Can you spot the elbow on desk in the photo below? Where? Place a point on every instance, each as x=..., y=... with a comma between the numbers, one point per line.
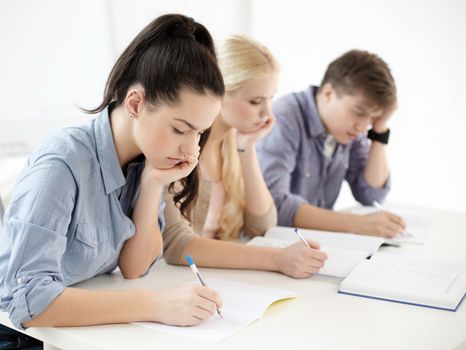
x=132, y=273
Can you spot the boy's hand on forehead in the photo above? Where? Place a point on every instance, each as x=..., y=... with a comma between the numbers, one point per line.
x=379, y=124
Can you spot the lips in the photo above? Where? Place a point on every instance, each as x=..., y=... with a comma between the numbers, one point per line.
x=174, y=161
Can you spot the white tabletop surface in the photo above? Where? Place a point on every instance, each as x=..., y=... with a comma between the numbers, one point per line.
x=318, y=318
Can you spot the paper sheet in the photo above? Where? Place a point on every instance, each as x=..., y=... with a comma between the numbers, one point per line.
x=348, y=241
x=242, y=304
x=339, y=261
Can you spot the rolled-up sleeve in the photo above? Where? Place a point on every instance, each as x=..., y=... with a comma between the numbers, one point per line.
x=36, y=226
x=276, y=163
x=257, y=225
x=362, y=191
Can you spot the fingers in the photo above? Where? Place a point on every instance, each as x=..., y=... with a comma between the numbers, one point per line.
x=204, y=303
x=270, y=122
x=383, y=224
x=398, y=220
x=394, y=226
x=210, y=295
x=313, y=244
x=302, y=261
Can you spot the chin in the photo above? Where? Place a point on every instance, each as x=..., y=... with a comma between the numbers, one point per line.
x=249, y=130
x=344, y=140
x=160, y=164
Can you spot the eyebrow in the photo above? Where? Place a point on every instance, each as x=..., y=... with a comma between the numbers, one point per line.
x=261, y=97
x=191, y=126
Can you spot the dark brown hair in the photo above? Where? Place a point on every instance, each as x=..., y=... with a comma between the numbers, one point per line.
x=171, y=53
x=361, y=71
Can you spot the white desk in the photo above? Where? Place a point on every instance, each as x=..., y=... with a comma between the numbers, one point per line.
x=318, y=318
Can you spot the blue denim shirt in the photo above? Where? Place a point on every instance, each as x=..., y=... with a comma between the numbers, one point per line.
x=68, y=219
x=295, y=168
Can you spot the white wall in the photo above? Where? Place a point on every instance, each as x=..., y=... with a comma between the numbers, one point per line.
x=219, y=17
x=424, y=42
x=56, y=56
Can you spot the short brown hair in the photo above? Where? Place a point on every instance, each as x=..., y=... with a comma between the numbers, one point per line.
x=365, y=72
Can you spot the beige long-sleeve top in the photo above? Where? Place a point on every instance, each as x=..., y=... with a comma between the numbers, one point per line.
x=178, y=231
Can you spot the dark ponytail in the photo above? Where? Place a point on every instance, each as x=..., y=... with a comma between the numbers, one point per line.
x=172, y=53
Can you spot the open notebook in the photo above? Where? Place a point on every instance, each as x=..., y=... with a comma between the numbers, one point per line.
x=344, y=250
x=242, y=305
x=411, y=279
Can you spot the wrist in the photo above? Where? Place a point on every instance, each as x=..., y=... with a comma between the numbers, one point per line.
x=352, y=223
x=380, y=129
x=381, y=137
x=276, y=259
x=243, y=149
x=148, y=308
x=152, y=310
x=149, y=182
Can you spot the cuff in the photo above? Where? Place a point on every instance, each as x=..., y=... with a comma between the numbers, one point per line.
x=27, y=304
x=287, y=209
x=368, y=194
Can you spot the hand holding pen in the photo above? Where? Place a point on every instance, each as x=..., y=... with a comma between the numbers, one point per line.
x=198, y=275
x=301, y=261
x=381, y=208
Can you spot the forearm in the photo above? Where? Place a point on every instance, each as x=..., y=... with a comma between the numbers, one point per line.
x=81, y=307
x=312, y=217
x=230, y=255
x=140, y=251
x=376, y=171
x=257, y=195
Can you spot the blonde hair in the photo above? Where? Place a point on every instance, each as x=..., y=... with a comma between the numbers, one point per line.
x=240, y=59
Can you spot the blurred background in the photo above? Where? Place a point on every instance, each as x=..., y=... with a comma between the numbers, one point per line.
x=56, y=56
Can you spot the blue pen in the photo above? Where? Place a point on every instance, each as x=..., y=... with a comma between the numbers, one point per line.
x=193, y=267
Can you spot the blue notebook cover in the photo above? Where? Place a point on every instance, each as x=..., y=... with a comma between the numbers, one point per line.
x=405, y=302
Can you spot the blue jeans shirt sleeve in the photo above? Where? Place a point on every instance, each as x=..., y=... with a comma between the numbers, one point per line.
x=35, y=227
x=362, y=191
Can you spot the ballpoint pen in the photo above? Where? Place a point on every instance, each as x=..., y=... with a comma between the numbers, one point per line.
x=193, y=267
x=302, y=238
x=379, y=207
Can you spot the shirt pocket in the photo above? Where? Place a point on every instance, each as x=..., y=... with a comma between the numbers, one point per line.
x=89, y=251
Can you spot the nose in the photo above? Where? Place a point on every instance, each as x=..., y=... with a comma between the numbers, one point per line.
x=266, y=109
x=192, y=149
x=363, y=125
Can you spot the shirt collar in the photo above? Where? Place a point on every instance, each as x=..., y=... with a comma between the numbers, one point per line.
x=316, y=127
x=112, y=173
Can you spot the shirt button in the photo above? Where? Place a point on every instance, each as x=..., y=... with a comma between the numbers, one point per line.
x=307, y=174
x=19, y=280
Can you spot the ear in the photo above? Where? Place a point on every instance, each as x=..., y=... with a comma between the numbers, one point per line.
x=328, y=91
x=134, y=101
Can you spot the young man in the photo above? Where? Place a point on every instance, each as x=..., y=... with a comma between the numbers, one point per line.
x=321, y=139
